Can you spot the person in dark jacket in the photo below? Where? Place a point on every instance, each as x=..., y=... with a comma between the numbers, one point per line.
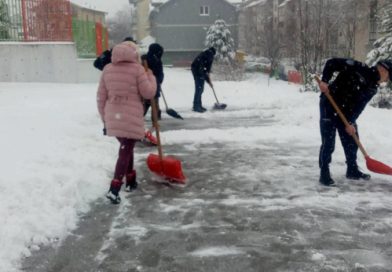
x=201, y=67
x=106, y=57
x=352, y=89
x=154, y=62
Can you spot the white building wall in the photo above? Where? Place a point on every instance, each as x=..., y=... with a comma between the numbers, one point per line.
x=44, y=62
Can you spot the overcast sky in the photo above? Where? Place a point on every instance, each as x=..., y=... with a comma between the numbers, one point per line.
x=110, y=6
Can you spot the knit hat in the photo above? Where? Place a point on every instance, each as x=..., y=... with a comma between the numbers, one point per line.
x=387, y=64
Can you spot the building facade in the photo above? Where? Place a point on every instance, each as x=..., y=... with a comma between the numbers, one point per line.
x=181, y=26
x=347, y=33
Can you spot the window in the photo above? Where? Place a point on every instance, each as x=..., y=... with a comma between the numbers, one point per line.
x=204, y=11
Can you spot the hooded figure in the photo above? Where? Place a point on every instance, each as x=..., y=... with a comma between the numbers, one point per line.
x=106, y=57
x=201, y=67
x=154, y=62
x=124, y=82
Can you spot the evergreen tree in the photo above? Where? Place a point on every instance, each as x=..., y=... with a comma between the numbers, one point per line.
x=4, y=21
x=383, y=46
x=219, y=37
x=383, y=50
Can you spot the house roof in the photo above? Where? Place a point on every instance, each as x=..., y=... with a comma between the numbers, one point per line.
x=84, y=5
x=159, y=2
x=252, y=3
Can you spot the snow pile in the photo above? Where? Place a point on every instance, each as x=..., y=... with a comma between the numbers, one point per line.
x=55, y=161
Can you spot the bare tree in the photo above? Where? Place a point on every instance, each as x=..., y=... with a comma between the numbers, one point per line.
x=270, y=43
x=326, y=33
x=120, y=26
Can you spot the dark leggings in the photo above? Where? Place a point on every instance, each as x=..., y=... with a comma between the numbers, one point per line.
x=124, y=163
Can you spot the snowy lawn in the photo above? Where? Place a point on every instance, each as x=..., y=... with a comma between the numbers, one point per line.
x=55, y=161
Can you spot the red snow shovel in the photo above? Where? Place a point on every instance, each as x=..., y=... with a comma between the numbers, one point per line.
x=372, y=165
x=167, y=167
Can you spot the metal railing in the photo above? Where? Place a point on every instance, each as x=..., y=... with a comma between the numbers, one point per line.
x=35, y=20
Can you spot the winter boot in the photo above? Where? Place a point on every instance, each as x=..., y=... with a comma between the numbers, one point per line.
x=131, y=183
x=114, y=189
x=354, y=173
x=199, y=109
x=325, y=178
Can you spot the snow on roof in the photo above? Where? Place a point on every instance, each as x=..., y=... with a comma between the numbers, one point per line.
x=84, y=4
x=164, y=1
x=284, y=3
x=254, y=3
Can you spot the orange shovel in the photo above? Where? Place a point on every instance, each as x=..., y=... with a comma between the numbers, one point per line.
x=167, y=167
x=372, y=165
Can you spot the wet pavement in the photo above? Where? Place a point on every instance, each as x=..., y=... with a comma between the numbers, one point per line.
x=244, y=208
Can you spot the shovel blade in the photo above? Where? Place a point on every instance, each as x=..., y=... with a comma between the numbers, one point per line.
x=174, y=114
x=219, y=106
x=378, y=167
x=168, y=168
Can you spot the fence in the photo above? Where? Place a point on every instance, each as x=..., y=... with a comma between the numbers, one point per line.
x=35, y=20
x=84, y=37
x=50, y=21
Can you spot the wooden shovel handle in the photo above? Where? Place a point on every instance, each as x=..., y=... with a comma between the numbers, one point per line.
x=156, y=125
x=343, y=118
x=154, y=110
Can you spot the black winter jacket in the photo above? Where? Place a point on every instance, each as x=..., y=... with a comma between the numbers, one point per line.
x=201, y=65
x=353, y=87
x=103, y=59
x=153, y=57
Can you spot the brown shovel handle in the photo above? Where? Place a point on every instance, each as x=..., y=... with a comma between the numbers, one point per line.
x=164, y=99
x=344, y=119
x=154, y=110
x=156, y=125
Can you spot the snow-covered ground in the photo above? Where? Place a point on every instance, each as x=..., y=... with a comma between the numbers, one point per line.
x=55, y=161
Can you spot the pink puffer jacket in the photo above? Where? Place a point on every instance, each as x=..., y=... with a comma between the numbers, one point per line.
x=123, y=84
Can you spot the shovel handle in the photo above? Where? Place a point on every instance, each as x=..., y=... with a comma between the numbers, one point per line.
x=213, y=90
x=154, y=110
x=164, y=100
x=156, y=125
x=343, y=118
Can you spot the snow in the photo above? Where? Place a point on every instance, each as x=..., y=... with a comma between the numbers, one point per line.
x=216, y=251
x=55, y=161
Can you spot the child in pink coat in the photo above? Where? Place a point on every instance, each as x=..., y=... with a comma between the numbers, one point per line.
x=123, y=84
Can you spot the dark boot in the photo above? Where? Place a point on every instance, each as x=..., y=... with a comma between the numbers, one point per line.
x=115, y=187
x=199, y=109
x=131, y=183
x=354, y=173
x=325, y=178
